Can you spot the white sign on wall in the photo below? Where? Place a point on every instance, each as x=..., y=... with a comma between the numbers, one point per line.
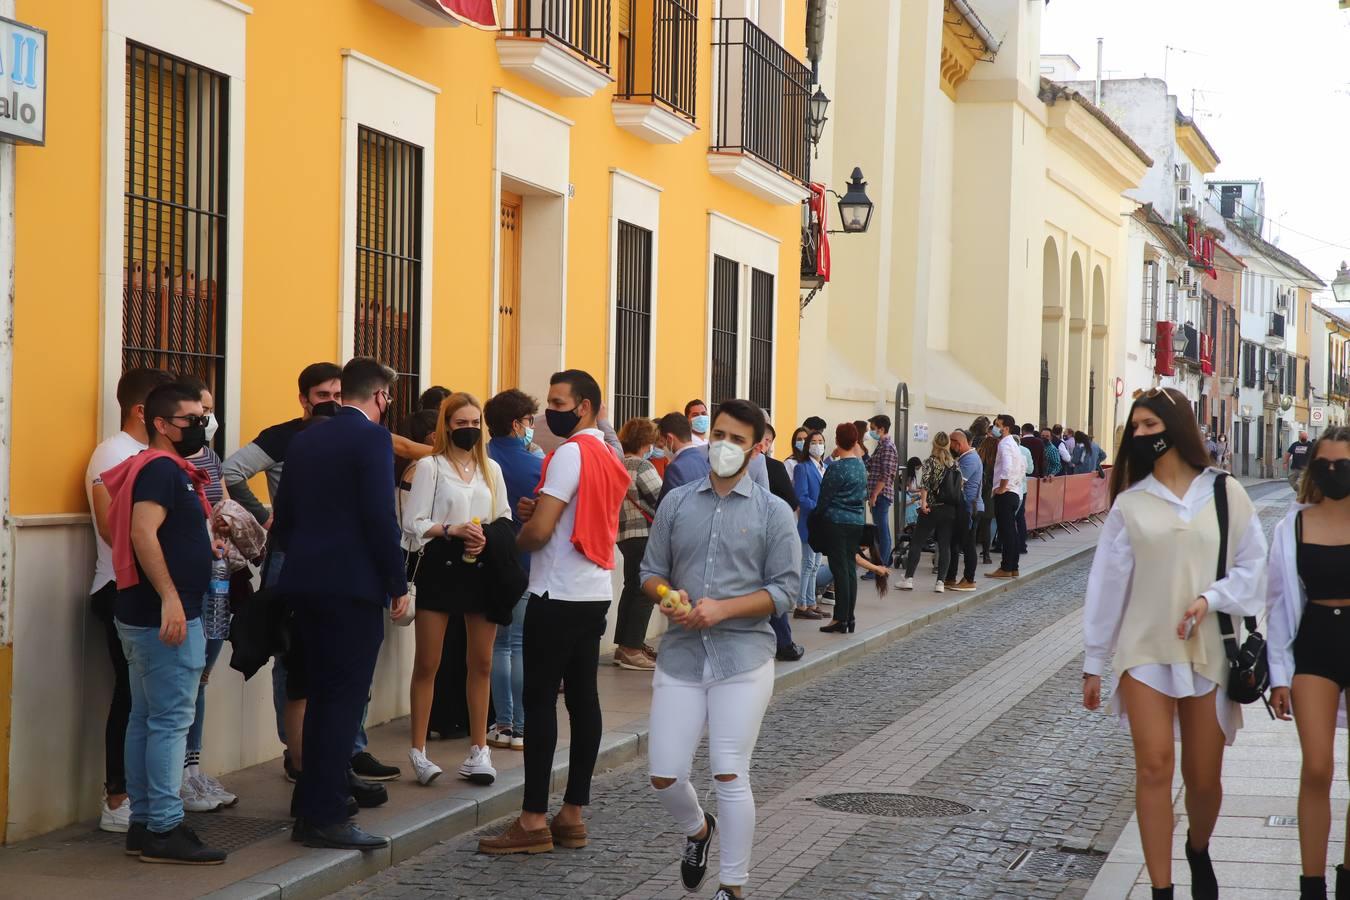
x=23, y=83
x=1317, y=416
x=921, y=431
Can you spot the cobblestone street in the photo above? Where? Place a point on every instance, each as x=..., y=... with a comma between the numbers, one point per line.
x=980, y=709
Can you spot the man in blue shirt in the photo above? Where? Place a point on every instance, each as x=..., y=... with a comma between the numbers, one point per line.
x=963, y=533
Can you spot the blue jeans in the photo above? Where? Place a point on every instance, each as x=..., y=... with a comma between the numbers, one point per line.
x=194, y=736
x=164, y=682
x=881, y=518
x=810, y=565
x=508, y=670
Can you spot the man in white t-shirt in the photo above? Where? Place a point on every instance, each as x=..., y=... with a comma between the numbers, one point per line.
x=132, y=389
x=569, y=532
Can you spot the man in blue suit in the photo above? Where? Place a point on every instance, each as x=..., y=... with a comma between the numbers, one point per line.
x=334, y=517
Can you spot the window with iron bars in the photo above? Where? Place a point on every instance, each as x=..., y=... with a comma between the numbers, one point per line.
x=725, y=316
x=761, y=340
x=388, y=302
x=633, y=323
x=174, y=218
x=1150, y=301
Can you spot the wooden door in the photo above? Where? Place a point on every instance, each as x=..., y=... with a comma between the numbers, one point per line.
x=508, y=309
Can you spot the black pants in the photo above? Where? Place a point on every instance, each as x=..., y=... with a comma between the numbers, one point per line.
x=963, y=542
x=983, y=523
x=342, y=637
x=1006, y=505
x=842, y=547
x=635, y=610
x=562, y=646
x=119, y=710
x=1022, y=525
x=937, y=524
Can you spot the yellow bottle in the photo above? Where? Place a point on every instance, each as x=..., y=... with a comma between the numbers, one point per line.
x=469, y=557
x=671, y=600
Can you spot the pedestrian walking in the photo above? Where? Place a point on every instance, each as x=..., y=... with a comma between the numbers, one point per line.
x=940, y=494
x=843, y=491
x=963, y=529
x=724, y=545
x=806, y=479
x=1009, y=488
x=1296, y=457
x=781, y=486
x=343, y=566
x=457, y=494
x=162, y=554
x=1153, y=600
x=882, y=467
x=510, y=420
x=570, y=529
x=1309, y=649
x=132, y=389
x=638, y=436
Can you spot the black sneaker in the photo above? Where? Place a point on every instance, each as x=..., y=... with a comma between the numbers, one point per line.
x=694, y=866
x=136, y=838
x=292, y=773
x=180, y=847
x=371, y=769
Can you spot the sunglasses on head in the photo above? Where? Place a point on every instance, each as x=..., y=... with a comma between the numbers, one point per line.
x=1159, y=392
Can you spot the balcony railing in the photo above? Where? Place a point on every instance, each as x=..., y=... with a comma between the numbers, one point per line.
x=762, y=92
x=1341, y=385
x=1191, y=354
x=580, y=25
x=1276, y=328
x=661, y=64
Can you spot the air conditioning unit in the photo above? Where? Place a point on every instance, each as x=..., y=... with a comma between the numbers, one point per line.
x=1187, y=279
x=1281, y=300
x=1193, y=292
x=1184, y=196
x=1184, y=173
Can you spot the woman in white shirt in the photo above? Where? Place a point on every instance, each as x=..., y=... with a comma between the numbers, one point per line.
x=452, y=488
x=1309, y=624
x=1153, y=600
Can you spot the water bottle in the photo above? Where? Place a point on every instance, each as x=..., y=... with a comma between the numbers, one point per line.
x=469, y=557
x=216, y=603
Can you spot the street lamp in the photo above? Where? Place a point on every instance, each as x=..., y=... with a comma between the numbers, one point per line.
x=1340, y=287
x=815, y=117
x=855, y=210
x=1179, y=341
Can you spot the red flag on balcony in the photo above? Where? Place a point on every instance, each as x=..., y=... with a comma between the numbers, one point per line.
x=1206, y=354
x=819, y=208
x=1163, y=355
x=479, y=13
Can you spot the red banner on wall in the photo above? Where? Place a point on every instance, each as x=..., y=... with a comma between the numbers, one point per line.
x=479, y=13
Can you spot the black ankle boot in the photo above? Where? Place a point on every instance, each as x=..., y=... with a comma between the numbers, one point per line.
x=1342, y=883
x=1204, y=886
x=1162, y=893
x=1312, y=888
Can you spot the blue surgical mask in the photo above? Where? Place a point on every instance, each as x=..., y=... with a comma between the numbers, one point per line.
x=528, y=439
x=656, y=453
x=873, y=435
x=798, y=445
x=700, y=424
x=996, y=431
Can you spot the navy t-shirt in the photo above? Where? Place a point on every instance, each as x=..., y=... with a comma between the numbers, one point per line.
x=1298, y=454
x=183, y=539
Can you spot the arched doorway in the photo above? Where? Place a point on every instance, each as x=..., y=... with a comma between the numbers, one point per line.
x=1052, y=335
x=1077, y=377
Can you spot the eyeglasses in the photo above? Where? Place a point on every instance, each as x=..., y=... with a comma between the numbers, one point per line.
x=189, y=421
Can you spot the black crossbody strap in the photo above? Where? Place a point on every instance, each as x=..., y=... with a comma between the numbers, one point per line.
x=1230, y=644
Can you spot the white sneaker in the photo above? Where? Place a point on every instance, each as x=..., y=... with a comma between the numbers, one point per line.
x=117, y=821
x=194, y=800
x=477, y=767
x=906, y=584
x=209, y=787
x=940, y=587
x=499, y=736
x=517, y=740
x=425, y=770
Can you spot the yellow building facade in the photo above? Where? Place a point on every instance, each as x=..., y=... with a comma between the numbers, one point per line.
x=239, y=191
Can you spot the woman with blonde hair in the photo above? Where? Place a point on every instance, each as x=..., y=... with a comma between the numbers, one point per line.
x=937, y=509
x=1309, y=597
x=457, y=491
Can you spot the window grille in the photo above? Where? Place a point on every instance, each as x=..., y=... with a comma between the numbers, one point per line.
x=633, y=324
x=726, y=312
x=761, y=339
x=1150, y=301
x=174, y=218
x=388, y=302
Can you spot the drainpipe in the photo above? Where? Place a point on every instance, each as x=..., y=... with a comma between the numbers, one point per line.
x=7, y=9
x=1097, y=85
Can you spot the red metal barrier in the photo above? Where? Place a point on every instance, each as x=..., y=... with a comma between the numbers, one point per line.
x=1050, y=509
x=1031, y=501
x=1078, y=497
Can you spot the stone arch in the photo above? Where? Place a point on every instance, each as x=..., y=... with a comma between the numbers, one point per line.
x=1076, y=378
x=1050, y=378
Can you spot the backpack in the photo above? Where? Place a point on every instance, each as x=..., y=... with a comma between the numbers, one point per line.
x=949, y=492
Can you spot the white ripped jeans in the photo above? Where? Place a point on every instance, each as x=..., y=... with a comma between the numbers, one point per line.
x=732, y=710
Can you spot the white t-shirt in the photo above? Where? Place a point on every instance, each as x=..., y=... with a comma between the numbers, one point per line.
x=560, y=569
x=107, y=455
x=439, y=496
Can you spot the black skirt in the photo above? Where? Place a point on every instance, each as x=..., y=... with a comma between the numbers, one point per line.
x=445, y=582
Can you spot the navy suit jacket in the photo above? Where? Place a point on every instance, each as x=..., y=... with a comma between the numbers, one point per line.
x=334, y=515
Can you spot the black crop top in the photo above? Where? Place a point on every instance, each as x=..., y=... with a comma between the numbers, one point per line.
x=1323, y=568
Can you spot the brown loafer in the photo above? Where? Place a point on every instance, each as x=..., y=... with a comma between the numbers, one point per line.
x=807, y=612
x=517, y=839
x=999, y=573
x=573, y=837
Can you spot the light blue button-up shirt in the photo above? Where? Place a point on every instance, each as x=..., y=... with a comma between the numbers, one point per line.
x=723, y=547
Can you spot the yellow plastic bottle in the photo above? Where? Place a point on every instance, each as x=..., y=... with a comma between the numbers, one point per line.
x=469, y=557
x=671, y=600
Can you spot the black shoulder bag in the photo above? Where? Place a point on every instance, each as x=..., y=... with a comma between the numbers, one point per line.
x=816, y=523
x=1248, y=666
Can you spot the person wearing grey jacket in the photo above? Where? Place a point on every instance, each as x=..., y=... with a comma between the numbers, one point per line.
x=963, y=532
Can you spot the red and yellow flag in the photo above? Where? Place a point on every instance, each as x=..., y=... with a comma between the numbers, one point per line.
x=478, y=13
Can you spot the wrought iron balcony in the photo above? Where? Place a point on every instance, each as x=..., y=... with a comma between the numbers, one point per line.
x=1276, y=327
x=580, y=25
x=660, y=63
x=761, y=93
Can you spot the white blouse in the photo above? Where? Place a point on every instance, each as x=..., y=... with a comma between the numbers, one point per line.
x=439, y=496
x=1240, y=593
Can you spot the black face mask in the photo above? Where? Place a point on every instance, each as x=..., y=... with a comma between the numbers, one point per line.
x=1145, y=449
x=192, y=441
x=466, y=438
x=562, y=422
x=325, y=410
x=1332, y=477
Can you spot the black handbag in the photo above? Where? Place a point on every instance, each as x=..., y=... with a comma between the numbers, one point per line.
x=817, y=525
x=1248, y=665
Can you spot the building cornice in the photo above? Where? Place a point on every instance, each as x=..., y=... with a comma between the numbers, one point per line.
x=1194, y=145
x=1097, y=147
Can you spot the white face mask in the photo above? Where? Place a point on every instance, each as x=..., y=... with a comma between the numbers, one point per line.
x=817, y=450
x=726, y=458
x=211, y=427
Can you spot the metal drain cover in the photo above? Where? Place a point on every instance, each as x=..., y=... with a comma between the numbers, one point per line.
x=1062, y=865
x=221, y=831
x=901, y=806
